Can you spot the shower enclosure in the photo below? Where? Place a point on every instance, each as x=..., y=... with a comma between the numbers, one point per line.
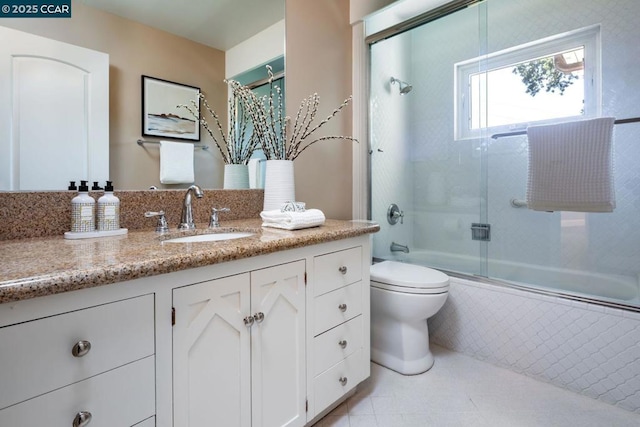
x=442, y=96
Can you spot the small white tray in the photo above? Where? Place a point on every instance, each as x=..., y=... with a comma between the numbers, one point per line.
x=73, y=235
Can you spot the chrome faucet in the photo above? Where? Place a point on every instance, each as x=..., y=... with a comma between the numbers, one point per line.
x=186, y=220
x=396, y=247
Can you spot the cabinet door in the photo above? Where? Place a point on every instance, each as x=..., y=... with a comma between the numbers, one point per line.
x=278, y=345
x=211, y=354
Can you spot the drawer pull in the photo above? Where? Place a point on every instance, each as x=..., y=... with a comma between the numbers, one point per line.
x=81, y=348
x=248, y=321
x=342, y=343
x=343, y=269
x=82, y=419
x=259, y=317
x=342, y=307
x=343, y=381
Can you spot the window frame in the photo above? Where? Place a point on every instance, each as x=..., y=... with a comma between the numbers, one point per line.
x=589, y=37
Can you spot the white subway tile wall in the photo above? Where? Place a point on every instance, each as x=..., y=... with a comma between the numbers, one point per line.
x=582, y=347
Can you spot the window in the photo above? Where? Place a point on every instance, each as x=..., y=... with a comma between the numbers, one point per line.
x=548, y=80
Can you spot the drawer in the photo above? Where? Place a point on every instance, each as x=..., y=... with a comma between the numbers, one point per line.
x=336, y=344
x=40, y=352
x=328, y=387
x=337, y=269
x=337, y=307
x=122, y=397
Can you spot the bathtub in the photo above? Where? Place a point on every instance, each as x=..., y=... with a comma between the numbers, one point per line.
x=573, y=284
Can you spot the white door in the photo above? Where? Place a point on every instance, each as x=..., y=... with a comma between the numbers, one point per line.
x=54, y=114
x=211, y=354
x=278, y=345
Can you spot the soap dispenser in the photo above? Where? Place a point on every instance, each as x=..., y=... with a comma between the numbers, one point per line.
x=108, y=210
x=83, y=210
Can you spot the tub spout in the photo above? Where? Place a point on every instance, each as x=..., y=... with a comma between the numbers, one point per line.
x=396, y=247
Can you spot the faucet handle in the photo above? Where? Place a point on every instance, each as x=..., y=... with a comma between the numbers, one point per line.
x=213, y=223
x=162, y=226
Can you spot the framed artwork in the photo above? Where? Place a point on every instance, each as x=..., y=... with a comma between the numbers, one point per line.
x=160, y=113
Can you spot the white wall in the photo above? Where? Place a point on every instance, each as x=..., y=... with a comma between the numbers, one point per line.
x=255, y=51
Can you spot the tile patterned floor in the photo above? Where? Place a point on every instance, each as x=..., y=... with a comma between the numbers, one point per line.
x=462, y=391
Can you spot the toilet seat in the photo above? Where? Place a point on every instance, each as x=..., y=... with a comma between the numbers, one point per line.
x=408, y=278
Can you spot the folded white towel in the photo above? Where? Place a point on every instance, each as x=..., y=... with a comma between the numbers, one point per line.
x=571, y=166
x=292, y=220
x=176, y=163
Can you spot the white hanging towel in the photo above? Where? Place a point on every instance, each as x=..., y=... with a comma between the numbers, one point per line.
x=292, y=220
x=255, y=174
x=571, y=166
x=176, y=163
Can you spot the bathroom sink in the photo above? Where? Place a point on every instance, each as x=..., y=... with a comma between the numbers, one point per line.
x=213, y=237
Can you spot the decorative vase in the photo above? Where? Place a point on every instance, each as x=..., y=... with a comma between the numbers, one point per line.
x=279, y=186
x=236, y=177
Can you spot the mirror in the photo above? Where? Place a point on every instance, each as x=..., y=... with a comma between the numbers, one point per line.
x=128, y=32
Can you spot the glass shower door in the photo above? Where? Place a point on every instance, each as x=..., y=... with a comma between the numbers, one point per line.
x=417, y=164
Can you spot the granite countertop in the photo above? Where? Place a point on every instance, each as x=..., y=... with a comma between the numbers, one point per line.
x=36, y=267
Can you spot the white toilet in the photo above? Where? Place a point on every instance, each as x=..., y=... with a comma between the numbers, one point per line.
x=403, y=297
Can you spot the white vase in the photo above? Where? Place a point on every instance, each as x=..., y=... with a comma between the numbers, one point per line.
x=279, y=186
x=236, y=177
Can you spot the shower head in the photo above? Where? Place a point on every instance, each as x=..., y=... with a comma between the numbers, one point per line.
x=404, y=87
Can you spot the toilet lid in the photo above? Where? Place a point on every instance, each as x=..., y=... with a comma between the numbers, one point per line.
x=408, y=275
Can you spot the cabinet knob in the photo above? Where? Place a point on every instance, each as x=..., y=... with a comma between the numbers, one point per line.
x=80, y=349
x=259, y=317
x=343, y=269
x=343, y=381
x=82, y=419
x=342, y=343
x=248, y=321
x=342, y=307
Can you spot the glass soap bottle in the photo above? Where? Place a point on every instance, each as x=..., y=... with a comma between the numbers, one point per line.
x=83, y=210
x=108, y=210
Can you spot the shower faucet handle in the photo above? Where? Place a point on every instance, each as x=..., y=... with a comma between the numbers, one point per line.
x=394, y=214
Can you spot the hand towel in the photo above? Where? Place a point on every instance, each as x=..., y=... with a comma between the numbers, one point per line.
x=571, y=166
x=255, y=173
x=176, y=163
x=292, y=220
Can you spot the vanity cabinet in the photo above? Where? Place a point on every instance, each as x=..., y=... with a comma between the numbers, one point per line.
x=266, y=341
x=95, y=363
x=239, y=349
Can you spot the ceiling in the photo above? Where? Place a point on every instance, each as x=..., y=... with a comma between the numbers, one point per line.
x=221, y=24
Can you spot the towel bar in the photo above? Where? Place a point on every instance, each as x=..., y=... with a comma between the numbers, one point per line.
x=141, y=143
x=524, y=132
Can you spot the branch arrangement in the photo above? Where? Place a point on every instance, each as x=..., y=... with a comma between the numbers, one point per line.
x=234, y=147
x=280, y=140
